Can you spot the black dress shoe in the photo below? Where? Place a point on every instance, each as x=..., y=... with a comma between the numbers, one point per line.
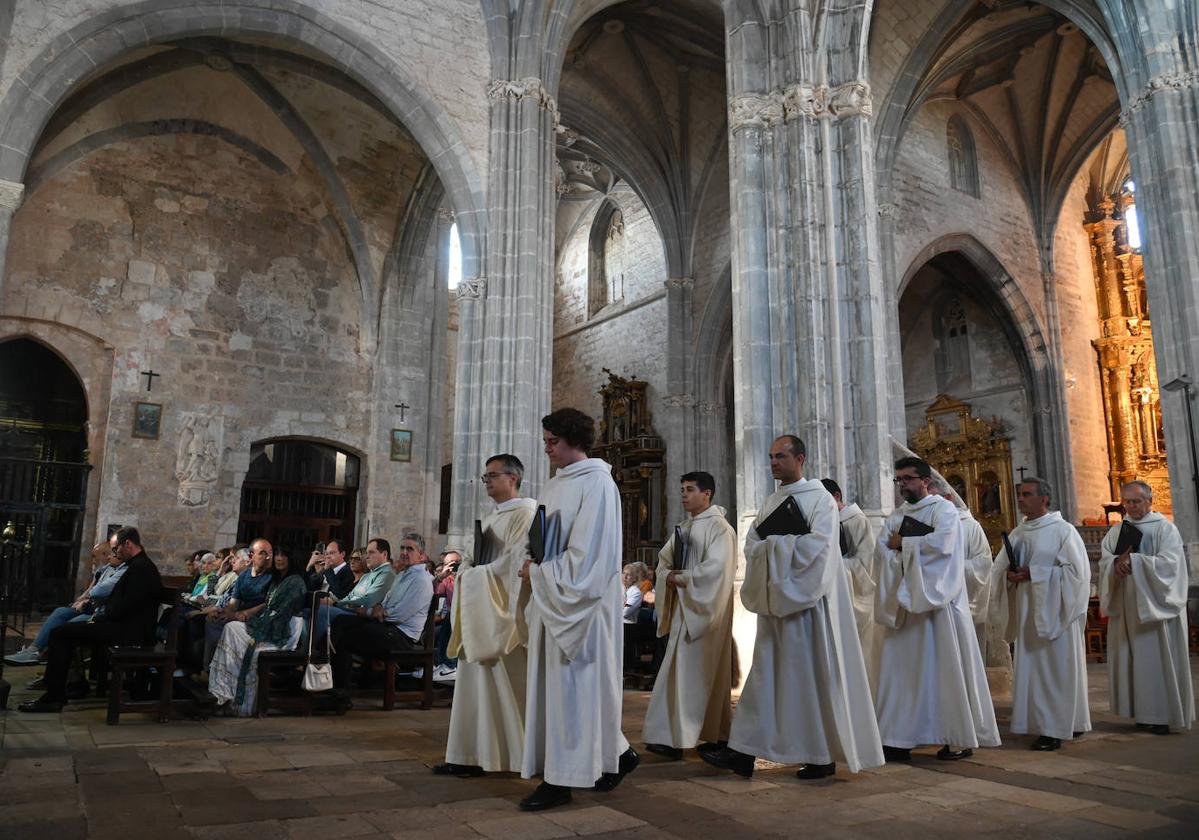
x=1046, y=744
x=816, y=771
x=946, y=754
x=546, y=796
x=1159, y=729
x=893, y=754
x=42, y=705
x=729, y=759
x=711, y=746
x=1144, y=726
x=628, y=763
x=673, y=753
x=462, y=771
x=1078, y=735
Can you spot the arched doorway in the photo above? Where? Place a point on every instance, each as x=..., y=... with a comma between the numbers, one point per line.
x=298, y=493
x=43, y=474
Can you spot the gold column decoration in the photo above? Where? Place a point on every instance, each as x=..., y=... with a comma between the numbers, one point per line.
x=1127, y=369
x=975, y=456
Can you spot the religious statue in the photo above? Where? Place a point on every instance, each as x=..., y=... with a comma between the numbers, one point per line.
x=198, y=457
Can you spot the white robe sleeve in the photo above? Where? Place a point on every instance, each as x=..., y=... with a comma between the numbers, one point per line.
x=664, y=595
x=1161, y=577
x=861, y=564
x=977, y=551
x=1110, y=602
x=569, y=587
x=787, y=573
x=1061, y=584
x=709, y=582
x=1001, y=609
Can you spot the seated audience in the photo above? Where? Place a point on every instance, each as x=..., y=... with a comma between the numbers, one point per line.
x=445, y=668
x=358, y=563
x=396, y=623
x=233, y=674
x=328, y=571
x=367, y=593
x=246, y=598
x=130, y=617
x=107, y=569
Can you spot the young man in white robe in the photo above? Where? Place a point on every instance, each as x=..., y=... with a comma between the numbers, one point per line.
x=976, y=551
x=575, y=682
x=691, y=697
x=1144, y=595
x=1042, y=607
x=487, y=718
x=931, y=687
x=859, y=561
x=807, y=699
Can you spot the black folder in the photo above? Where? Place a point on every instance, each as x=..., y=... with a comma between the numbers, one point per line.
x=1013, y=561
x=537, y=535
x=914, y=528
x=681, y=550
x=482, y=555
x=787, y=518
x=844, y=541
x=1129, y=539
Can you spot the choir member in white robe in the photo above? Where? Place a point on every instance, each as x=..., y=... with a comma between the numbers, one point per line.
x=976, y=551
x=859, y=561
x=691, y=698
x=1144, y=595
x=573, y=704
x=931, y=687
x=487, y=718
x=1043, y=607
x=807, y=698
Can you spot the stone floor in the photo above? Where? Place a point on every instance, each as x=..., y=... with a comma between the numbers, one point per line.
x=366, y=775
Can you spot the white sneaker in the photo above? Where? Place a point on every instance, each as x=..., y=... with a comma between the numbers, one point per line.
x=28, y=655
x=445, y=674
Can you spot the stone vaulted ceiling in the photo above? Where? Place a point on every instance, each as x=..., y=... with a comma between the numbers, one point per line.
x=1036, y=86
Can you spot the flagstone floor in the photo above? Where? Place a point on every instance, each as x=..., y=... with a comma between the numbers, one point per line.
x=366, y=775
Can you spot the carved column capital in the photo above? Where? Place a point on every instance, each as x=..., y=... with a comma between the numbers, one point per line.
x=678, y=400
x=685, y=284
x=1164, y=82
x=11, y=194
x=850, y=99
x=472, y=289
x=527, y=88
x=711, y=409
x=755, y=110
x=800, y=100
x=446, y=214
x=888, y=211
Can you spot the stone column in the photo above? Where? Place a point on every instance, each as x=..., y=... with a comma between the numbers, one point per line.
x=11, y=194
x=679, y=403
x=506, y=318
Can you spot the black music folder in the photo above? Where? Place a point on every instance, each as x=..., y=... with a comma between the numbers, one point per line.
x=787, y=518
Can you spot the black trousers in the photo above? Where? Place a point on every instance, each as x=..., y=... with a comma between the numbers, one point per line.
x=64, y=641
x=366, y=637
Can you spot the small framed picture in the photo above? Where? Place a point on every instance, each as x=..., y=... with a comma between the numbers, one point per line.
x=401, y=445
x=147, y=418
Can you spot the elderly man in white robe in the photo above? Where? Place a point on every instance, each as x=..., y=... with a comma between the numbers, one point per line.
x=807, y=699
x=859, y=561
x=931, y=687
x=573, y=705
x=976, y=551
x=1143, y=592
x=694, y=605
x=1042, y=606
x=487, y=725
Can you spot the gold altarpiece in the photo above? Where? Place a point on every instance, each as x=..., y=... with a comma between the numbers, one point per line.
x=628, y=442
x=975, y=456
x=1127, y=369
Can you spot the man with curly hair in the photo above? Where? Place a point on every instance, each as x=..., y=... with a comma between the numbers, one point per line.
x=572, y=710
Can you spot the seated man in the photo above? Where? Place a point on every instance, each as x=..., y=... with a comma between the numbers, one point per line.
x=108, y=570
x=445, y=668
x=328, y=571
x=396, y=623
x=129, y=618
x=367, y=592
x=246, y=598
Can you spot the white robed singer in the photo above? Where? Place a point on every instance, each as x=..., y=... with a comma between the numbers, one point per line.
x=806, y=699
x=573, y=707
x=931, y=686
x=487, y=726
x=860, y=565
x=691, y=700
x=1042, y=608
x=976, y=553
x=1144, y=596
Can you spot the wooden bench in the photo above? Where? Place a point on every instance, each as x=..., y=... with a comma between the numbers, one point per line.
x=272, y=661
x=422, y=657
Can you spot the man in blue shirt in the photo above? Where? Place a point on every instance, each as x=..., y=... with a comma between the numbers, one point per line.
x=366, y=594
x=247, y=597
x=395, y=623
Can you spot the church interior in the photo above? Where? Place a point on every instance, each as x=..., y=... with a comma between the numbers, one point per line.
x=275, y=293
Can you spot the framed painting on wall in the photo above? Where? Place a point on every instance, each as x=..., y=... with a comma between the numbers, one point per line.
x=401, y=445
x=147, y=420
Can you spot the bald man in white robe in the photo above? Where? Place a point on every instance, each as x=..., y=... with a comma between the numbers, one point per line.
x=1143, y=593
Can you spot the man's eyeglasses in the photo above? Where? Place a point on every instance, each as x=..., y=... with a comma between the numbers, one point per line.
x=903, y=479
x=491, y=476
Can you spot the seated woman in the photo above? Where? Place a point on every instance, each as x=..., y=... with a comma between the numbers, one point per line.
x=233, y=675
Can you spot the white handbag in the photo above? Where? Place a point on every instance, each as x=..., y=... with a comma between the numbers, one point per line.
x=318, y=677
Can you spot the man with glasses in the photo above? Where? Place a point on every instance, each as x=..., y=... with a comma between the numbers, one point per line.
x=488, y=635
x=367, y=593
x=328, y=571
x=931, y=687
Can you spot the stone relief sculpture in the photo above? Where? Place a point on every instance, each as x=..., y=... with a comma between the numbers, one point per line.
x=198, y=457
